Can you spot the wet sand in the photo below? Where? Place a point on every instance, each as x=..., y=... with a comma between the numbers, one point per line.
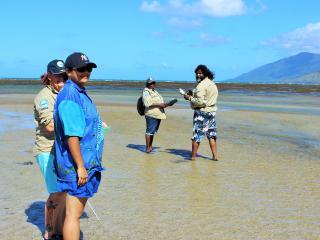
x=265, y=186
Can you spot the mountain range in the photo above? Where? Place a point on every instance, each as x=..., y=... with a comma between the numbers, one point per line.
x=303, y=68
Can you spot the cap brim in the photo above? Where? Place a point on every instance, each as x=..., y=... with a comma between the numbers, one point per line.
x=91, y=64
x=58, y=72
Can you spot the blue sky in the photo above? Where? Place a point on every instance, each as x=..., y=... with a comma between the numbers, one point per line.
x=135, y=39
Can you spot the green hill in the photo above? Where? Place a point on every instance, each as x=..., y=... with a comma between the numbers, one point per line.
x=303, y=68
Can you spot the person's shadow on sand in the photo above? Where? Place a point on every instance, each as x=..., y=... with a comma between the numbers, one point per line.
x=141, y=148
x=185, y=154
x=35, y=214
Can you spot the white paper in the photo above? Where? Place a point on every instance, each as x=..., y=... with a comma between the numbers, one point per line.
x=182, y=91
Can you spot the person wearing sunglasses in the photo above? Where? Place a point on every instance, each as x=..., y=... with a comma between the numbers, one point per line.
x=43, y=149
x=78, y=143
x=203, y=100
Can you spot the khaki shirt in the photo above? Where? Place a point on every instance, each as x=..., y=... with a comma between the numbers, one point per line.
x=43, y=115
x=205, y=96
x=150, y=97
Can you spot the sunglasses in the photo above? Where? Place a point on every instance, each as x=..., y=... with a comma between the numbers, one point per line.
x=84, y=69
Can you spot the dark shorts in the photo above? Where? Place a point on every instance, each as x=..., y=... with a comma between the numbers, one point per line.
x=152, y=125
x=204, y=124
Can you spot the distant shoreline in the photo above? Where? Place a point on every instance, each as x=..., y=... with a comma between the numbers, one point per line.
x=295, y=88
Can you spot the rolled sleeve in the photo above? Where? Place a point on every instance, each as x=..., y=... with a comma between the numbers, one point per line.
x=45, y=111
x=198, y=100
x=46, y=117
x=72, y=118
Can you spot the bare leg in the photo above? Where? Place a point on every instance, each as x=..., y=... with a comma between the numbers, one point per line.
x=213, y=147
x=59, y=214
x=195, y=147
x=74, y=209
x=54, y=214
x=48, y=215
x=149, y=140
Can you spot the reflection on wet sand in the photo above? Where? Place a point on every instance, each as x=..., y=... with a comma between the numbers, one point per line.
x=265, y=185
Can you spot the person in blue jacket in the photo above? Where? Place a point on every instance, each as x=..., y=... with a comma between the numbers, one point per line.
x=78, y=142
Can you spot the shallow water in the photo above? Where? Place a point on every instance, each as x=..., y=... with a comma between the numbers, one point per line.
x=265, y=185
x=15, y=120
x=256, y=191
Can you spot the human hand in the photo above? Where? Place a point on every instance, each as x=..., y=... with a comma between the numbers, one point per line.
x=186, y=97
x=82, y=176
x=189, y=92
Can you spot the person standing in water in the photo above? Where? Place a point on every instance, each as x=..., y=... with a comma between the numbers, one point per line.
x=79, y=142
x=203, y=100
x=43, y=149
x=154, y=111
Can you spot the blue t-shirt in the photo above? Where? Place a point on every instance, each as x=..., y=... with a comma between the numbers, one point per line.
x=76, y=115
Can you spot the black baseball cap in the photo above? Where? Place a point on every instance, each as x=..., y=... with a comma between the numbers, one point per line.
x=78, y=60
x=56, y=67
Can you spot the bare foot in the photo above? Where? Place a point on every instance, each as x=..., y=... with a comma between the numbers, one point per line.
x=215, y=159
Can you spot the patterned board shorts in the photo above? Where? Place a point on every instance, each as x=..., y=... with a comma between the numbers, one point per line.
x=204, y=123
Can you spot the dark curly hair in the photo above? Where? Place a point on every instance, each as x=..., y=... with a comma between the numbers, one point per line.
x=206, y=71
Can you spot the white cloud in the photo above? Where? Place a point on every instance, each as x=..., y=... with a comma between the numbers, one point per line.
x=213, y=8
x=184, y=23
x=154, y=6
x=258, y=7
x=210, y=40
x=222, y=8
x=301, y=39
x=164, y=65
x=262, y=6
x=213, y=39
x=159, y=34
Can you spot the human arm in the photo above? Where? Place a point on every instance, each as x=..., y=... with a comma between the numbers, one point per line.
x=187, y=94
x=198, y=100
x=149, y=101
x=73, y=122
x=159, y=105
x=74, y=147
x=44, y=112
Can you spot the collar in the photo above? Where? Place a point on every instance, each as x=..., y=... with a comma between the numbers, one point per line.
x=206, y=78
x=150, y=90
x=76, y=86
x=52, y=89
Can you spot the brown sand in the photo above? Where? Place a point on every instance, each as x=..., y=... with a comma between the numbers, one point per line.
x=265, y=186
